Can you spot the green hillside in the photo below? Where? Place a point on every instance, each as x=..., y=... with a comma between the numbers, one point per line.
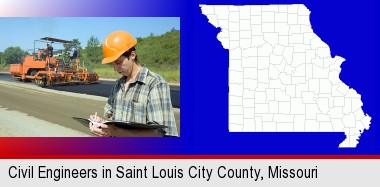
x=159, y=53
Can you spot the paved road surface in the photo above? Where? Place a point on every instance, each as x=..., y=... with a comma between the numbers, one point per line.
x=23, y=106
x=102, y=89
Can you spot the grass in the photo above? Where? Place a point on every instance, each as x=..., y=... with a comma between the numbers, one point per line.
x=171, y=75
x=106, y=72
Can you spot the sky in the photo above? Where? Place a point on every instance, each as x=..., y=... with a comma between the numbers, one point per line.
x=22, y=32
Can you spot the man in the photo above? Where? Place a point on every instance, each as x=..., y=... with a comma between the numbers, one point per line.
x=40, y=55
x=73, y=53
x=48, y=50
x=140, y=95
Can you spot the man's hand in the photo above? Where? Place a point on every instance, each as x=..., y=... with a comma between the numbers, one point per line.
x=97, y=127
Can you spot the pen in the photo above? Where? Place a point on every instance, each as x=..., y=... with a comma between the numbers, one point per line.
x=95, y=122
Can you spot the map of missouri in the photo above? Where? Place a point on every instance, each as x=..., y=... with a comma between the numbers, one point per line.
x=282, y=77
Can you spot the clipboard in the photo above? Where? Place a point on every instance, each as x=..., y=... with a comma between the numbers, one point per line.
x=123, y=124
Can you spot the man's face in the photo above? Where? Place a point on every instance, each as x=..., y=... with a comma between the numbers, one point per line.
x=123, y=65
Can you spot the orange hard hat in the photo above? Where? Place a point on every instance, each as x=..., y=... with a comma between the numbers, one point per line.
x=116, y=44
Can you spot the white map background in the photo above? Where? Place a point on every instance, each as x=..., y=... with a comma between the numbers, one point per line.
x=282, y=77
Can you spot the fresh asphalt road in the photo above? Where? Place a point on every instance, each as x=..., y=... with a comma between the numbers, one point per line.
x=29, y=110
x=102, y=89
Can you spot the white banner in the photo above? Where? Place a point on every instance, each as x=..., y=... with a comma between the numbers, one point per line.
x=190, y=172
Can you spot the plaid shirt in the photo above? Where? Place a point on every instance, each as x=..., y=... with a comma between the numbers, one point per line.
x=147, y=99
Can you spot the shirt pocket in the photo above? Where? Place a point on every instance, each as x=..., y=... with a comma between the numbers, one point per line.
x=136, y=112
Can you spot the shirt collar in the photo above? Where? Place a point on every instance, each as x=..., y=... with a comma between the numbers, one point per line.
x=141, y=76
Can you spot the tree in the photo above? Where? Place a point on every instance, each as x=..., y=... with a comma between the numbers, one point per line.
x=74, y=43
x=93, y=50
x=13, y=55
x=93, y=42
x=174, y=30
x=2, y=63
